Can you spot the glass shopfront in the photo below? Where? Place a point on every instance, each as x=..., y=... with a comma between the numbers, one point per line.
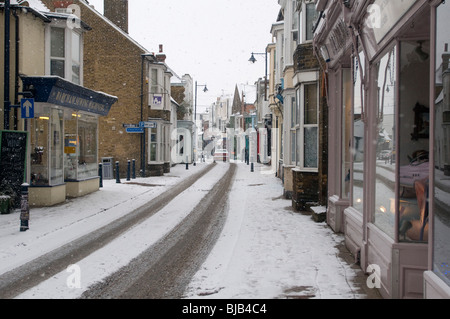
x=80, y=147
x=47, y=147
x=441, y=204
x=385, y=77
x=358, y=133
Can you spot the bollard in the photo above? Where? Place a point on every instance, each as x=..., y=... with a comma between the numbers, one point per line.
x=128, y=170
x=187, y=164
x=134, y=170
x=25, y=208
x=100, y=173
x=252, y=168
x=117, y=173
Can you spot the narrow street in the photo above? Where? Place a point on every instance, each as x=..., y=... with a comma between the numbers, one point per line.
x=166, y=268
x=32, y=273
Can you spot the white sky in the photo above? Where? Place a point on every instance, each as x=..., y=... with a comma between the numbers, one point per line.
x=210, y=40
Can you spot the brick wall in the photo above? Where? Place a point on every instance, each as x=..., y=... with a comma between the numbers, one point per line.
x=304, y=58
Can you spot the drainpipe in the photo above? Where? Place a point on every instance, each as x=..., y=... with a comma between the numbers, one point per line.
x=17, y=87
x=7, y=102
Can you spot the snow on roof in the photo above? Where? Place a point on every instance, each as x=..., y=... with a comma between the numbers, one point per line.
x=34, y=4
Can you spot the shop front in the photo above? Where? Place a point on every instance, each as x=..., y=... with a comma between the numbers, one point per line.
x=380, y=71
x=63, y=139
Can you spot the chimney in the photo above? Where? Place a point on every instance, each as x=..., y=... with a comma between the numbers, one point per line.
x=161, y=57
x=445, y=58
x=117, y=12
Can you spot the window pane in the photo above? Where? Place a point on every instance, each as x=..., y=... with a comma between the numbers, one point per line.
x=293, y=148
x=384, y=217
x=71, y=148
x=310, y=104
x=413, y=141
x=87, y=135
x=75, y=47
x=56, y=147
x=311, y=17
x=39, y=148
x=76, y=58
x=441, y=208
x=358, y=135
x=57, y=68
x=346, y=128
x=154, y=81
x=57, y=45
x=310, y=147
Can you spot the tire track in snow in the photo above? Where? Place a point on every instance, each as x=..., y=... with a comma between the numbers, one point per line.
x=16, y=281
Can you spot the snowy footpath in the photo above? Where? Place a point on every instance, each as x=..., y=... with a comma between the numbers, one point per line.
x=266, y=250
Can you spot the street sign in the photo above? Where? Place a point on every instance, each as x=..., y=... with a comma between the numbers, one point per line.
x=147, y=124
x=130, y=125
x=135, y=130
x=27, y=108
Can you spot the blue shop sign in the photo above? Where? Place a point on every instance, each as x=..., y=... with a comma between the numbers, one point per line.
x=56, y=90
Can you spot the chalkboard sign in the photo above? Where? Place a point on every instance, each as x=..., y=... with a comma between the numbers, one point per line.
x=13, y=155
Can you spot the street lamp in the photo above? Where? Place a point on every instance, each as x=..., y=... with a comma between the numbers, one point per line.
x=253, y=60
x=195, y=118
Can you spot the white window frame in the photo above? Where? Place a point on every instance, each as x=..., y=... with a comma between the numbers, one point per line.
x=302, y=22
x=158, y=87
x=303, y=126
x=68, y=61
x=295, y=126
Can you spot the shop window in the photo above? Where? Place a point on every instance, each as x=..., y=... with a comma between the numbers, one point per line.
x=441, y=204
x=358, y=144
x=40, y=150
x=385, y=168
x=56, y=147
x=413, y=141
x=80, y=147
x=71, y=151
x=346, y=131
x=47, y=148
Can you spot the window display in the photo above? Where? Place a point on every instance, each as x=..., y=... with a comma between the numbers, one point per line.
x=386, y=81
x=413, y=141
x=358, y=133
x=441, y=203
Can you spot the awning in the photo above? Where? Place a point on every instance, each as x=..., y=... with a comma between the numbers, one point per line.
x=56, y=90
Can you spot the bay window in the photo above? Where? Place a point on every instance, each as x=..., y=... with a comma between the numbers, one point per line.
x=64, y=52
x=308, y=128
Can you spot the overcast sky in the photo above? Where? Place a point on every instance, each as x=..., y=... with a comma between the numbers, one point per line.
x=212, y=40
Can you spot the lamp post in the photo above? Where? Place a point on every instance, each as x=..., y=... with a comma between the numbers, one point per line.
x=195, y=118
x=253, y=60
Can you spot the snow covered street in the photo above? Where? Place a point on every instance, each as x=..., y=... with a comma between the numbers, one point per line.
x=266, y=250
